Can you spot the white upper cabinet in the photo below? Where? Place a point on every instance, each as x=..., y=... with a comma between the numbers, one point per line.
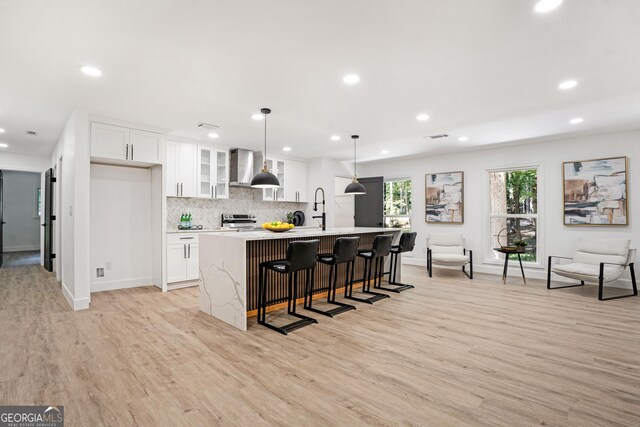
x=221, y=171
x=197, y=171
x=123, y=145
x=145, y=146
x=213, y=172
x=181, y=169
x=293, y=181
x=109, y=142
x=296, y=185
x=276, y=167
x=205, y=172
x=171, y=168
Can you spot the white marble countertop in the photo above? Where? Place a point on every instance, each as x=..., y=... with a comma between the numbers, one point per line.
x=204, y=230
x=292, y=234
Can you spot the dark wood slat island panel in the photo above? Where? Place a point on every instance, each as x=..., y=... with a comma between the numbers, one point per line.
x=268, y=250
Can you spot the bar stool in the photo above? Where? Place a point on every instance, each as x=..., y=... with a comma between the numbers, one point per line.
x=344, y=252
x=381, y=248
x=301, y=256
x=406, y=244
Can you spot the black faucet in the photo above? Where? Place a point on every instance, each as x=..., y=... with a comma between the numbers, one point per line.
x=315, y=208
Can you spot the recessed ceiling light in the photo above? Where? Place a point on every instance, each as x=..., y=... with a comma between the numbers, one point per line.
x=463, y=139
x=567, y=84
x=422, y=117
x=544, y=6
x=90, y=71
x=213, y=135
x=3, y=145
x=335, y=138
x=286, y=148
x=1, y=130
x=576, y=121
x=384, y=152
x=351, y=79
x=257, y=116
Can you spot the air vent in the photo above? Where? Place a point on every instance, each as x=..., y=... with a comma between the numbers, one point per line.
x=31, y=133
x=204, y=125
x=442, y=135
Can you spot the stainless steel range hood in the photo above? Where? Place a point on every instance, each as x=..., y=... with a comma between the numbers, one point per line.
x=244, y=164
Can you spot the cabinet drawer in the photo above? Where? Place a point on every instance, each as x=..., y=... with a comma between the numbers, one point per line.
x=178, y=238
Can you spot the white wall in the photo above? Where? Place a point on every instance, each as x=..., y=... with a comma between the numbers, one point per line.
x=22, y=230
x=321, y=173
x=555, y=238
x=71, y=159
x=120, y=227
x=23, y=163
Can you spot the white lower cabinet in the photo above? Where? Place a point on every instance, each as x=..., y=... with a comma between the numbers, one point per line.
x=182, y=257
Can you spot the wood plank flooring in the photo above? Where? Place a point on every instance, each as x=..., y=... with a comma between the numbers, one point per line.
x=450, y=352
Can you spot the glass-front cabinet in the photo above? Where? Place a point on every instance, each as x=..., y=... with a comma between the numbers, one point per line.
x=221, y=189
x=213, y=173
x=277, y=168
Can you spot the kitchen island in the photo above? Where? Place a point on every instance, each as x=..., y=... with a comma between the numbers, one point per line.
x=229, y=266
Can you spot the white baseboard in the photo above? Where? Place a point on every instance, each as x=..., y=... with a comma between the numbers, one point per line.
x=113, y=285
x=75, y=303
x=514, y=269
x=182, y=285
x=21, y=248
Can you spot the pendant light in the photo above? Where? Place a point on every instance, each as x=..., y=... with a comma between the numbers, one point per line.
x=355, y=187
x=264, y=178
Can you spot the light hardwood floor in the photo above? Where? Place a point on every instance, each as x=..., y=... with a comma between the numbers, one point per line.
x=450, y=352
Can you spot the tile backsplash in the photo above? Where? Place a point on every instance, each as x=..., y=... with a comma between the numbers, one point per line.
x=207, y=212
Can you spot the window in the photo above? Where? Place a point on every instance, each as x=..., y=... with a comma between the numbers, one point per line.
x=397, y=203
x=38, y=202
x=514, y=212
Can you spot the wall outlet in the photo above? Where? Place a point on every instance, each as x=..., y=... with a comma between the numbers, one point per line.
x=99, y=272
x=107, y=265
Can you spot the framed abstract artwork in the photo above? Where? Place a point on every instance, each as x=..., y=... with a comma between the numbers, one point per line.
x=595, y=192
x=444, y=197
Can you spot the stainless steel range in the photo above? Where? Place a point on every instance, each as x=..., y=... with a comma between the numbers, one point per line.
x=240, y=222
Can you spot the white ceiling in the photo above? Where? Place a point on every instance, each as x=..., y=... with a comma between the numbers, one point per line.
x=486, y=69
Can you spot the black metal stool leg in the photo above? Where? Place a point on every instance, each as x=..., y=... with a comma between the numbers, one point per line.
x=341, y=307
x=393, y=270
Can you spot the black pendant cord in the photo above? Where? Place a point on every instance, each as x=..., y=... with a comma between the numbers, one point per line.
x=264, y=167
x=355, y=164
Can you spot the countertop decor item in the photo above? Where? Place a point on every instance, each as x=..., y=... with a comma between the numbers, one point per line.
x=277, y=226
x=264, y=178
x=298, y=218
x=355, y=187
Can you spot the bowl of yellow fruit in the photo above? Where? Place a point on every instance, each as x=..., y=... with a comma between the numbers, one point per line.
x=277, y=226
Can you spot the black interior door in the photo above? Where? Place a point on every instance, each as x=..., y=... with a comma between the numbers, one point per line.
x=1, y=217
x=48, y=217
x=369, y=207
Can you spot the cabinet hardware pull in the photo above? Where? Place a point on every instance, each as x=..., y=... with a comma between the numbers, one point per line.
x=186, y=238
x=131, y=151
x=177, y=188
x=189, y=251
x=212, y=191
x=184, y=250
x=127, y=155
x=181, y=190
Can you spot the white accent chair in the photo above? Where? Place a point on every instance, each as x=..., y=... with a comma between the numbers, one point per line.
x=448, y=250
x=597, y=260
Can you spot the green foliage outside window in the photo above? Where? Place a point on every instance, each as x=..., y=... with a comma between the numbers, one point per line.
x=397, y=203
